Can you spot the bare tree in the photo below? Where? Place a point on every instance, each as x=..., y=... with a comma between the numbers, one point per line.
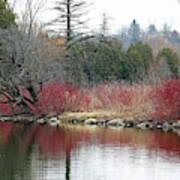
x=25, y=62
x=28, y=18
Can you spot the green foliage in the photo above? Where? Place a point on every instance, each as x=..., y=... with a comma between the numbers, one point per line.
x=95, y=60
x=6, y=15
x=171, y=59
x=105, y=64
x=134, y=65
x=145, y=53
x=104, y=59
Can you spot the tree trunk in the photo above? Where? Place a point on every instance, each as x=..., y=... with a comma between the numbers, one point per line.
x=68, y=20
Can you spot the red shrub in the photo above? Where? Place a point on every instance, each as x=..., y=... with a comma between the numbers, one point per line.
x=157, y=102
x=6, y=109
x=59, y=97
x=166, y=98
x=55, y=97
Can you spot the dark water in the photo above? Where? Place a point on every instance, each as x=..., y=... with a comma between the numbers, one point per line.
x=76, y=153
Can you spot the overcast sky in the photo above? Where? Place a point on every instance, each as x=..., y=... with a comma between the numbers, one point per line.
x=122, y=12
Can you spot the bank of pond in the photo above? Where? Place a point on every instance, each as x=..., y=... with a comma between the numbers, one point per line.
x=110, y=122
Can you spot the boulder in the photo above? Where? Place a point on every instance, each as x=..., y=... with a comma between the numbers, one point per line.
x=54, y=121
x=3, y=119
x=159, y=125
x=116, y=122
x=129, y=124
x=167, y=126
x=91, y=121
x=75, y=121
x=102, y=122
x=144, y=125
x=176, y=125
x=41, y=121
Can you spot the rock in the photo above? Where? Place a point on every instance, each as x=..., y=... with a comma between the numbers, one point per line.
x=176, y=125
x=144, y=125
x=3, y=119
x=167, y=127
x=31, y=119
x=129, y=124
x=67, y=121
x=54, y=121
x=102, y=122
x=75, y=121
x=91, y=121
x=41, y=121
x=116, y=122
x=159, y=125
x=16, y=119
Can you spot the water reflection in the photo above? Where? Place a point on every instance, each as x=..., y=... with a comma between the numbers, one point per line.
x=75, y=152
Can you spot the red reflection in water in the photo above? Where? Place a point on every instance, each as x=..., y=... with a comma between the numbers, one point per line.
x=56, y=141
x=7, y=130
x=53, y=141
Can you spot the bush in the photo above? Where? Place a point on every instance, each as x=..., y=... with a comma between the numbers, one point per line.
x=166, y=100
x=59, y=97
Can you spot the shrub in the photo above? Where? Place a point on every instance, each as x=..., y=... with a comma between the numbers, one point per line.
x=132, y=101
x=60, y=97
x=166, y=99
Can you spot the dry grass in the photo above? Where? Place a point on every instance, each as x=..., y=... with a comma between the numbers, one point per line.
x=100, y=114
x=84, y=115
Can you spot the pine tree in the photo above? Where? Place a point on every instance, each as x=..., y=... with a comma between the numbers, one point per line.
x=6, y=15
x=70, y=21
x=134, y=32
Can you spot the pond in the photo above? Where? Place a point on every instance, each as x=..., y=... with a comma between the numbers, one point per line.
x=73, y=152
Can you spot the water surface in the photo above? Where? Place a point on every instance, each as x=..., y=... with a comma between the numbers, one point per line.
x=34, y=152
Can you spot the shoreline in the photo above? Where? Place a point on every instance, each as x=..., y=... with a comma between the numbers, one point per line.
x=98, y=118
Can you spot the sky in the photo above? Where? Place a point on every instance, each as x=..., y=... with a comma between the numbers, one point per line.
x=122, y=12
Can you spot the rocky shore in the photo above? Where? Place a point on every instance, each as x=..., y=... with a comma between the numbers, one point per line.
x=120, y=123
x=104, y=122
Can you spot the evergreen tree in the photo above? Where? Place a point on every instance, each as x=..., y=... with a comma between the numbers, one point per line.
x=6, y=15
x=134, y=32
x=152, y=29
x=70, y=21
x=171, y=58
x=139, y=58
x=166, y=31
x=174, y=37
x=145, y=52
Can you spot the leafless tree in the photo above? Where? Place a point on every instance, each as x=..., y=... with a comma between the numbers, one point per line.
x=26, y=62
x=26, y=59
x=28, y=17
